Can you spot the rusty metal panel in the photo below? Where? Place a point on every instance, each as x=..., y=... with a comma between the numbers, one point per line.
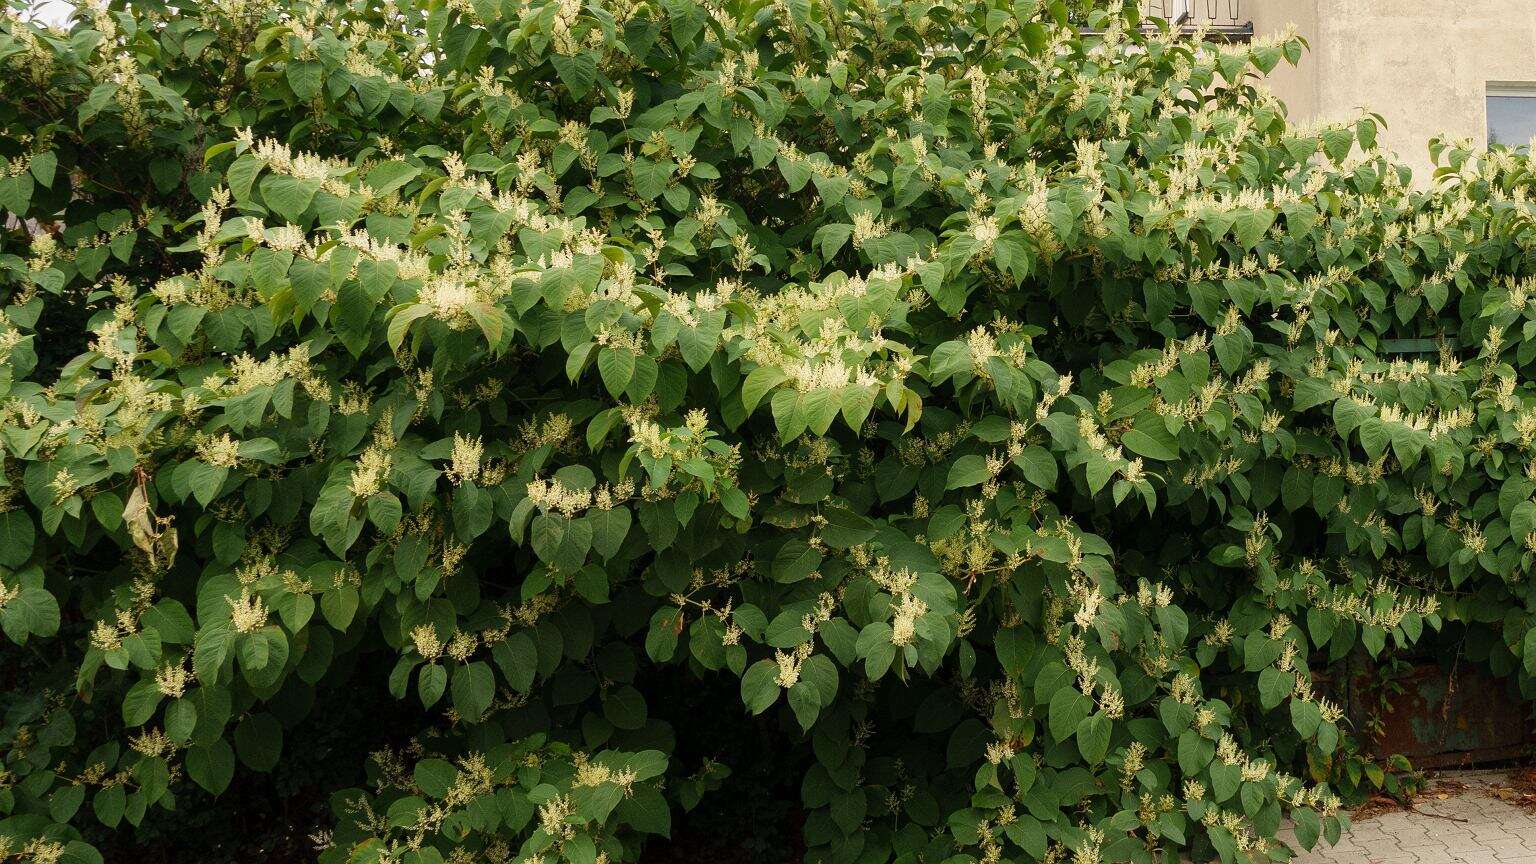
x=1440, y=719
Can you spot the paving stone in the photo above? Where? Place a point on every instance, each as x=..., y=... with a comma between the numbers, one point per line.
x=1462, y=844
x=1436, y=856
x=1474, y=827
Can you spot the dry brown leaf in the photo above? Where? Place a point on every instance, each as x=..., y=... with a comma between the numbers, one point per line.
x=153, y=535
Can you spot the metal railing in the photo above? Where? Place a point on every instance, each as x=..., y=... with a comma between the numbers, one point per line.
x=1221, y=20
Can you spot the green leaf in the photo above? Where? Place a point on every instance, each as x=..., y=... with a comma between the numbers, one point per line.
x=305, y=77
x=1305, y=717
x=1164, y=448
x=386, y=177
x=968, y=471
x=844, y=529
x=474, y=688
x=1038, y=466
x=760, y=686
x=339, y=606
x=1093, y=736
x=617, y=367
x=1374, y=437
x=16, y=193
x=431, y=681
x=758, y=383
x=651, y=178
x=1068, y=709
x=259, y=741
x=1308, y=826
x=1232, y=349
x=875, y=646
x=400, y=320
x=735, y=503
x=831, y=237
x=32, y=612
x=1015, y=647
x=1274, y=686
x=1522, y=521
x=577, y=71
x=180, y=719
x=625, y=708
x=1528, y=650
x=518, y=660
x=65, y=802
x=697, y=344
x=109, y=804
x=805, y=701
x=1035, y=38
x=43, y=165
x=212, y=766
x=140, y=703
x=1296, y=488
x=210, y=650
x=610, y=527
x=1250, y=225
x=796, y=560
x=288, y=197
x=17, y=534
x=1225, y=780
x=546, y=534
x=661, y=638
x=1194, y=752
x=434, y=777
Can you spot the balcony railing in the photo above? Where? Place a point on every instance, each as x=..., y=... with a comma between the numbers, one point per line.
x=1217, y=20
x=1220, y=20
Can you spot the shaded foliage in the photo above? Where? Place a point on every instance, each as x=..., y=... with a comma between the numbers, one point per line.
x=997, y=410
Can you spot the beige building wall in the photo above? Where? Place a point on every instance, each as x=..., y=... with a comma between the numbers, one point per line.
x=1423, y=65
x=1296, y=85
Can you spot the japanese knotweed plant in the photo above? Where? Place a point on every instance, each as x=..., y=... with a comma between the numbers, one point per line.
x=1007, y=394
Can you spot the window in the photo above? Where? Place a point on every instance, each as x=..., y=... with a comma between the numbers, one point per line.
x=1511, y=113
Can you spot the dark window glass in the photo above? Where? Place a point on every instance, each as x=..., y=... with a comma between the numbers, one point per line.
x=1511, y=119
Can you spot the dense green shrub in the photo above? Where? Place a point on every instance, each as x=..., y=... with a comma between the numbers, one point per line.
x=1011, y=399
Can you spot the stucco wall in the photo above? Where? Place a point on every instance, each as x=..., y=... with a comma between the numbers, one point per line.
x=1296, y=85
x=1423, y=65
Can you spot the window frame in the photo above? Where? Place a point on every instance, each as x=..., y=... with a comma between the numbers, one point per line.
x=1507, y=89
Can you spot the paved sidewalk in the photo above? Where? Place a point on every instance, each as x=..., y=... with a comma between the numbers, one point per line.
x=1471, y=825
